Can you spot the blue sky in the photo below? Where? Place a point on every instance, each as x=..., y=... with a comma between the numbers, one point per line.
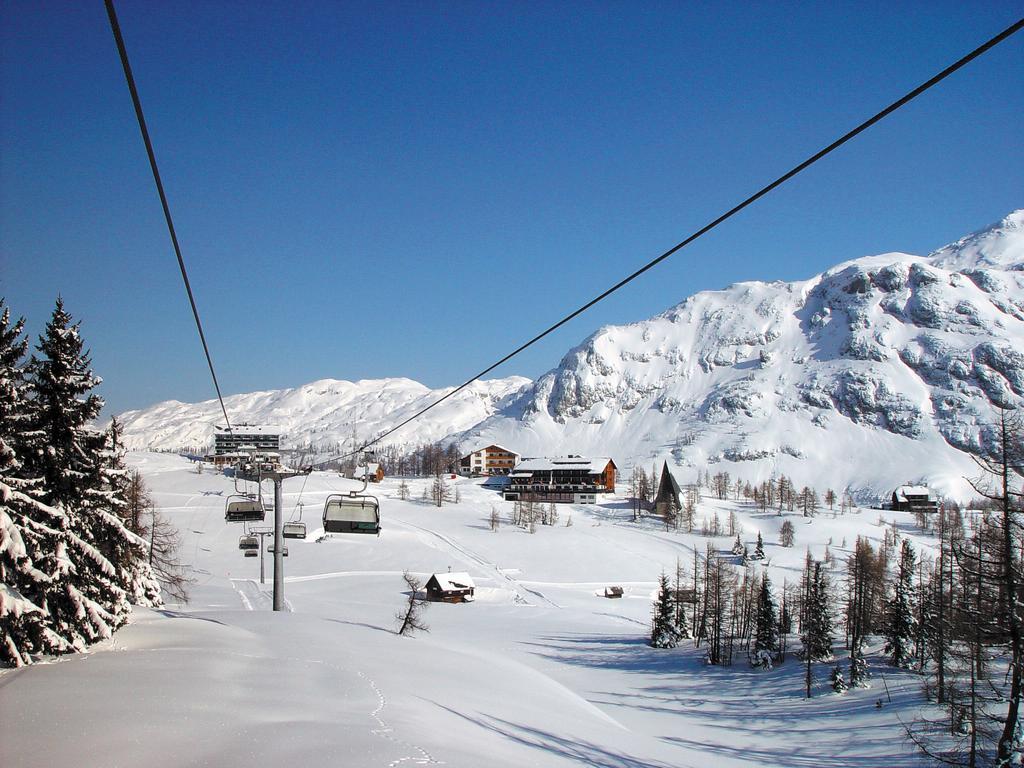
x=412, y=189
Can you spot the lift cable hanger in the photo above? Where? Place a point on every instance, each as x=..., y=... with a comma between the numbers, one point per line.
x=115, y=27
x=1012, y=29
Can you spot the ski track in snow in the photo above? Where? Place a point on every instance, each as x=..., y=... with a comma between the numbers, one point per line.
x=473, y=557
x=385, y=731
x=253, y=598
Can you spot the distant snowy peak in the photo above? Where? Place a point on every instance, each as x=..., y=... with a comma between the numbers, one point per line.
x=1000, y=246
x=323, y=413
x=879, y=371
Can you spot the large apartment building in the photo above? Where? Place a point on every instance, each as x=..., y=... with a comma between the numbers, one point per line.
x=572, y=479
x=245, y=439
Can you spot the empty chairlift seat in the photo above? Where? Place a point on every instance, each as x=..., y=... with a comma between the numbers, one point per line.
x=351, y=513
x=294, y=530
x=242, y=509
x=249, y=543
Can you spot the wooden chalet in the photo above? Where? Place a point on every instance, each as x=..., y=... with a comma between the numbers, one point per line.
x=571, y=480
x=491, y=460
x=450, y=588
x=668, y=494
x=914, y=498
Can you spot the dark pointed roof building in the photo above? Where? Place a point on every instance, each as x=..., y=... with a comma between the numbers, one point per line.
x=668, y=493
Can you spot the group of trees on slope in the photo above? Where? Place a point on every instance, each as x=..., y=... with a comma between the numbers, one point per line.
x=956, y=618
x=79, y=542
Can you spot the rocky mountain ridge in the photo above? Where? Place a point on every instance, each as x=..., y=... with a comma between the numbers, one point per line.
x=882, y=370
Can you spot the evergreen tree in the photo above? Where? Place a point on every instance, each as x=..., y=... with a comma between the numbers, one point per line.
x=125, y=548
x=758, y=548
x=817, y=634
x=786, y=534
x=838, y=683
x=663, y=626
x=900, y=618
x=24, y=520
x=679, y=605
x=84, y=597
x=766, y=632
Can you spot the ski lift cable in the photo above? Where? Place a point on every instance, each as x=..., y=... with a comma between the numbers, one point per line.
x=298, y=501
x=116, y=29
x=902, y=101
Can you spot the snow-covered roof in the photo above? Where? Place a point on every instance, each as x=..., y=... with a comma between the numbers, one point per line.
x=459, y=580
x=492, y=445
x=913, y=490
x=369, y=469
x=594, y=465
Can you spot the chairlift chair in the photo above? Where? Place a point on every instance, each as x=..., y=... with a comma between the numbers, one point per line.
x=251, y=553
x=351, y=513
x=284, y=550
x=296, y=530
x=249, y=542
x=243, y=509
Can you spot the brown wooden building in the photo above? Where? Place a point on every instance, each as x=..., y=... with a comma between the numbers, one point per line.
x=450, y=587
x=914, y=498
x=492, y=460
x=571, y=480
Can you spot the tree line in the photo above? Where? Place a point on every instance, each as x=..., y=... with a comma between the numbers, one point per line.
x=955, y=618
x=79, y=543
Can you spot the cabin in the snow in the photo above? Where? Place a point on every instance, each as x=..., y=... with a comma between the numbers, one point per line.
x=371, y=471
x=450, y=587
x=572, y=479
x=914, y=498
x=491, y=460
x=667, y=498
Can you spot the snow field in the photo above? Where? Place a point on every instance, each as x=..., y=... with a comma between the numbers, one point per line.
x=539, y=671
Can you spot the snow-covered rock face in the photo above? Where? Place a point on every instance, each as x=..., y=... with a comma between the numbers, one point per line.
x=877, y=372
x=881, y=371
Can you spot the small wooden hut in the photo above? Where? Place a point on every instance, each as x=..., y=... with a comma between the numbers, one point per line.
x=450, y=588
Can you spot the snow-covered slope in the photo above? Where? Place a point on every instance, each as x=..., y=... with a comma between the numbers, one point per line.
x=877, y=372
x=323, y=413
x=540, y=670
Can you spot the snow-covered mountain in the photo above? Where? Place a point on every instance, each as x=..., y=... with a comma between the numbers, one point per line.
x=880, y=371
x=323, y=413
x=877, y=372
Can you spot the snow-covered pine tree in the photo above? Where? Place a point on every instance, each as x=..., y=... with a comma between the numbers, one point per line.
x=24, y=619
x=766, y=631
x=838, y=683
x=758, y=548
x=663, y=626
x=901, y=611
x=679, y=604
x=126, y=550
x=84, y=597
x=817, y=634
